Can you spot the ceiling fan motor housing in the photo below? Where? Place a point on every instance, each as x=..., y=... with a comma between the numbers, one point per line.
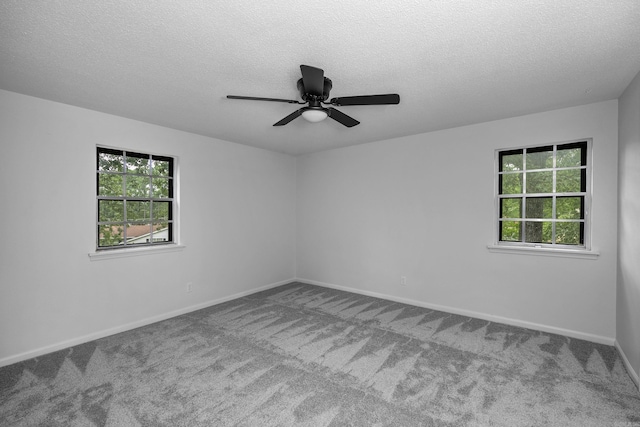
x=310, y=96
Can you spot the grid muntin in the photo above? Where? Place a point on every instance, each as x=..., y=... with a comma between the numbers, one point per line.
x=124, y=171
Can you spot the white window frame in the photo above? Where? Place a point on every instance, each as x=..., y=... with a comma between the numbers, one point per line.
x=581, y=251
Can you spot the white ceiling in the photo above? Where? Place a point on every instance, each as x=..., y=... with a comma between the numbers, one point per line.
x=452, y=62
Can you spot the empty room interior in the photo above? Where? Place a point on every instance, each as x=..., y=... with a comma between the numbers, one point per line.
x=392, y=188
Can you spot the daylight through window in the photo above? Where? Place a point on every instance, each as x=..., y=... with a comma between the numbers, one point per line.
x=543, y=195
x=135, y=199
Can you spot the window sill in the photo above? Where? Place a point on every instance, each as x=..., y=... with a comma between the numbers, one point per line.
x=543, y=251
x=129, y=252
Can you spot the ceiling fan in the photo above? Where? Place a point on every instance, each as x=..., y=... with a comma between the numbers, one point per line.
x=314, y=90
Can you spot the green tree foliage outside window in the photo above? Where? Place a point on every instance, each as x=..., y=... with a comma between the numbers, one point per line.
x=135, y=198
x=542, y=193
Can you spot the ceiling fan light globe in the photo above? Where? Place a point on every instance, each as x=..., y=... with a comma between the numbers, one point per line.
x=314, y=116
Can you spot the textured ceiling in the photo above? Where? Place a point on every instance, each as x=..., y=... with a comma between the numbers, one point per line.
x=452, y=62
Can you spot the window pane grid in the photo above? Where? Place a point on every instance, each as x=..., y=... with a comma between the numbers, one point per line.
x=542, y=193
x=135, y=199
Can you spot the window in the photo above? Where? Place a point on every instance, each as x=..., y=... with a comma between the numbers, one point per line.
x=543, y=196
x=135, y=201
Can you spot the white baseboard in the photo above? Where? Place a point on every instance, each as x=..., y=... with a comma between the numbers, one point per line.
x=144, y=322
x=627, y=364
x=133, y=325
x=499, y=319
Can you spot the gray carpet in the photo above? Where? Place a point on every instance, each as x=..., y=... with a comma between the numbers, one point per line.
x=305, y=355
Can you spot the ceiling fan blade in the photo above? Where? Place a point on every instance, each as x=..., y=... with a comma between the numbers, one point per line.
x=313, y=79
x=386, y=99
x=253, y=98
x=290, y=117
x=341, y=117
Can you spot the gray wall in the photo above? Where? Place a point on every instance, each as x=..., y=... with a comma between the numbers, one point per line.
x=423, y=207
x=628, y=297
x=237, y=205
